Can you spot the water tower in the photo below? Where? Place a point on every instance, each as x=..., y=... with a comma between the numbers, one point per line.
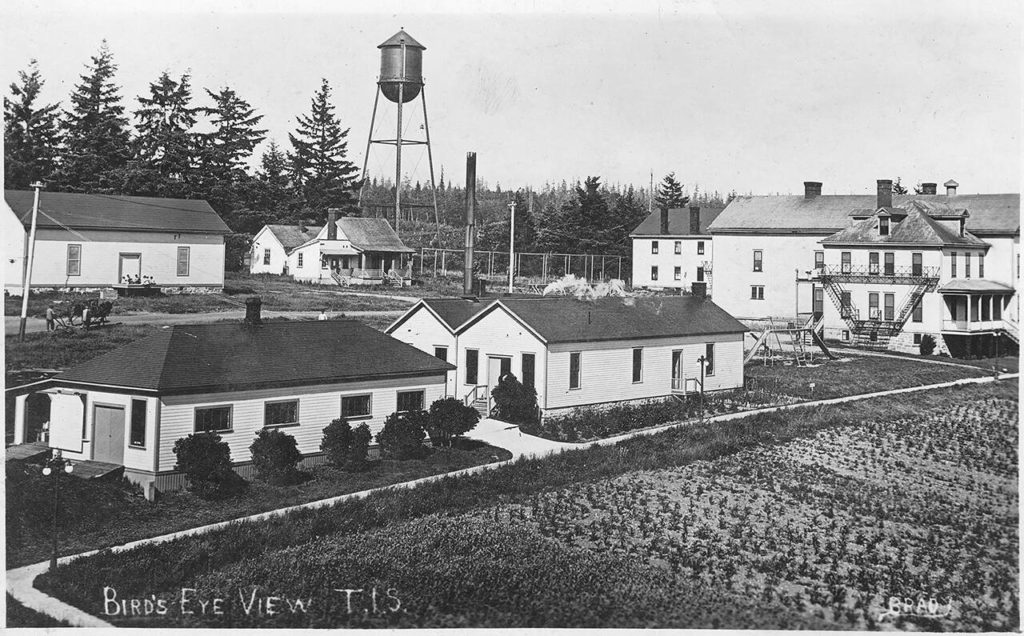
x=401, y=81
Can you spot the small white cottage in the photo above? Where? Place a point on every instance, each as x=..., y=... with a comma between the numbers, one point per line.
x=271, y=245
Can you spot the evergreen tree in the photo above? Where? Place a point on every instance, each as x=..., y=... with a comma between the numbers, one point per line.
x=234, y=137
x=322, y=173
x=670, y=193
x=31, y=132
x=898, y=188
x=95, y=131
x=166, y=149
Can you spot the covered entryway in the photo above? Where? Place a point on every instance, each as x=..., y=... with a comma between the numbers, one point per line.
x=108, y=434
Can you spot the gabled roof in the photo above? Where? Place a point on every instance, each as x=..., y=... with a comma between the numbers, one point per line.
x=396, y=40
x=566, y=319
x=78, y=211
x=292, y=236
x=451, y=312
x=233, y=356
x=917, y=228
x=365, y=234
x=678, y=222
x=824, y=214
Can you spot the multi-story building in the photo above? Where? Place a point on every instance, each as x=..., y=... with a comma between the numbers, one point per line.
x=672, y=248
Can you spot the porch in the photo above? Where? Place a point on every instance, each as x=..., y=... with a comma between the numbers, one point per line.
x=349, y=266
x=970, y=312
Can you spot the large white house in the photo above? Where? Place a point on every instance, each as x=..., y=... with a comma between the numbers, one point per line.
x=345, y=251
x=672, y=248
x=589, y=353
x=129, y=406
x=771, y=251
x=96, y=240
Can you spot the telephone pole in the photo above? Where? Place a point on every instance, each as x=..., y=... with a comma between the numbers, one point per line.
x=511, y=245
x=28, y=262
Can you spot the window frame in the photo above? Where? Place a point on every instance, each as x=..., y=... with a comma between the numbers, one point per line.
x=443, y=348
x=967, y=264
x=981, y=265
x=298, y=261
x=575, y=358
x=271, y=403
x=889, y=263
x=678, y=247
x=916, y=264
x=889, y=307
x=187, y=251
x=532, y=382
x=819, y=259
x=845, y=262
x=216, y=407
x=677, y=273
x=654, y=247
x=883, y=226
x=758, y=260
x=359, y=416
x=266, y=256
x=757, y=292
x=475, y=367
x=952, y=264
x=873, y=300
x=638, y=365
x=700, y=247
x=398, y=399
x=917, y=313
x=132, y=441
x=77, y=247
x=654, y=272
x=873, y=264
x=700, y=274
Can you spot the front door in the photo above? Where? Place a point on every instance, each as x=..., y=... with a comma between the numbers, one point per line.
x=677, y=370
x=818, y=302
x=108, y=434
x=496, y=367
x=130, y=265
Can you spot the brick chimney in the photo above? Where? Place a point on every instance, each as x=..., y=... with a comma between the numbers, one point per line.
x=694, y=219
x=252, y=311
x=951, y=187
x=929, y=188
x=332, y=223
x=664, y=220
x=812, y=189
x=884, y=193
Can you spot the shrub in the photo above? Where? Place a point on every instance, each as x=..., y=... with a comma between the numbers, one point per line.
x=514, y=402
x=275, y=455
x=927, y=345
x=402, y=435
x=346, y=447
x=450, y=418
x=206, y=461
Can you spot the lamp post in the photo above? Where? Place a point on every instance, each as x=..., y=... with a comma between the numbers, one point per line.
x=54, y=467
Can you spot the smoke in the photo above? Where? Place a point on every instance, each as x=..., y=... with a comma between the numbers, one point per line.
x=571, y=285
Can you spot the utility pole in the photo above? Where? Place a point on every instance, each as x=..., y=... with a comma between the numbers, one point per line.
x=650, y=195
x=511, y=245
x=28, y=264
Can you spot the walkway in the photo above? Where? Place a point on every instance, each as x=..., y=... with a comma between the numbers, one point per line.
x=19, y=581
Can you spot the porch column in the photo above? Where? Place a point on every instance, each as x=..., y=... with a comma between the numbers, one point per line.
x=362, y=260
x=19, y=418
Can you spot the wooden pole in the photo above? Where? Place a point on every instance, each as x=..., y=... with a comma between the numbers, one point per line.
x=31, y=261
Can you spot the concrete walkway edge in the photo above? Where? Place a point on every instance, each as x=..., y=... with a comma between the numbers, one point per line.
x=19, y=580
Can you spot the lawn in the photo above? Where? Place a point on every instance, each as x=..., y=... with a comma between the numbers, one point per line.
x=20, y=616
x=810, y=519
x=64, y=348
x=103, y=514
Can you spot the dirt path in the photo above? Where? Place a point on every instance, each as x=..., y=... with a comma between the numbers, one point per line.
x=19, y=581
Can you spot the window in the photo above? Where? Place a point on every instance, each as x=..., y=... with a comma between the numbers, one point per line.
x=266, y=256
x=873, y=306
x=915, y=265
x=952, y=265
x=654, y=272
x=183, y=261
x=918, y=313
x=677, y=273
x=819, y=260
x=354, y=407
x=873, y=263
x=74, y=260
x=846, y=335
x=679, y=247
x=638, y=364
x=890, y=307
x=137, y=436
x=441, y=353
x=709, y=359
x=846, y=303
x=472, y=364
x=981, y=266
x=299, y=264
x=654, y=247
x=700, y=247
x=845, y=267
x=700, y=274
x=694, y=221
x=284, y=413
x=967, y=264
x=529, y=362
x=890, y=263
x=757, y=261
x=757, y=292
x=574, y=370
x=213, y=419
x=410, y=401
x=883, y=226
x=917, y=338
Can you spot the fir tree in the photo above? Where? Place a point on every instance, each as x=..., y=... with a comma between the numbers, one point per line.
x=898, y=188
x=166, y=148
x=234, y=137
x=322, y=173
x=670, y=193
x=95, y=130
x=31, y=132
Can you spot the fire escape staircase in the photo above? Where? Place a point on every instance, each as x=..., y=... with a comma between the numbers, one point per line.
x=875, y=331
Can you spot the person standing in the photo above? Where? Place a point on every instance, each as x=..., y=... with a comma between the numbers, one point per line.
x=323, y=315
x=49, y=319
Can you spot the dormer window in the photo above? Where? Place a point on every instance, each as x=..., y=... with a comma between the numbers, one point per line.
x=883, y=226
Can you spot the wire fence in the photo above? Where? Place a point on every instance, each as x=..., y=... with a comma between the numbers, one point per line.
x=535, y=267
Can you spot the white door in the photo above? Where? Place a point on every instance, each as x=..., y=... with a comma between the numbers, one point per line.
x=108, y=434
x=677, y=371
x=496, y=367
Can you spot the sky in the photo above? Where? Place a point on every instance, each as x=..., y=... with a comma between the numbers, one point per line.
x=733, y=95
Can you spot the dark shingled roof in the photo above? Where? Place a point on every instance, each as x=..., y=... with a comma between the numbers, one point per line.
x=564, y=319
x=989, y=213
x=366, y=234
x=292, y=236
x=233, y=356
x=678, y=222
x=396, y=40
x=915, y=228
x=455, y=311
x=975, y=285
x=108, y=212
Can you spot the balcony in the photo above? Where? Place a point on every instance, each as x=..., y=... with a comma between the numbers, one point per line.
x=913, y=275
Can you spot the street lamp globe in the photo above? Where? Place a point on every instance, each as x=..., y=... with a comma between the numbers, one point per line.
x=68, y=467
x=47, y=471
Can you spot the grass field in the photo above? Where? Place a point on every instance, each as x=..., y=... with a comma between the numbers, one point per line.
x=810, y=518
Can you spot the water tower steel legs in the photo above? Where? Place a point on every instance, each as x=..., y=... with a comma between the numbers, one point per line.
x=398, y=146
x=430, y=160
x=369, y=140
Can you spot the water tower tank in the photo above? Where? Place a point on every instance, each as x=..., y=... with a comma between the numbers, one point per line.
x=392, y=68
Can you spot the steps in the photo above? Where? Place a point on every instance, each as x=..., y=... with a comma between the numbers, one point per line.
x=481, y=406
